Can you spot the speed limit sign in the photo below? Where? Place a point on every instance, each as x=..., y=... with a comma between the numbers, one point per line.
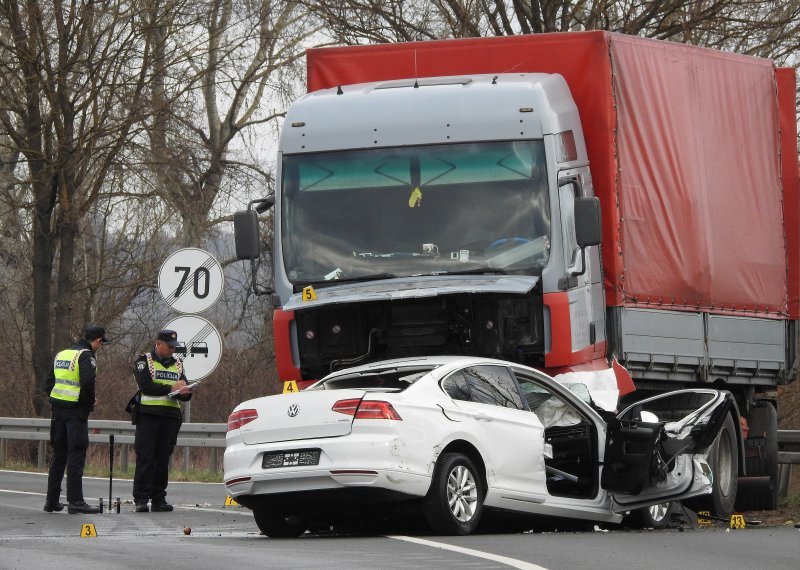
x=190, y=280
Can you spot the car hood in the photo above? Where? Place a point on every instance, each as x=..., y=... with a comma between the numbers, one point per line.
x=413, y=288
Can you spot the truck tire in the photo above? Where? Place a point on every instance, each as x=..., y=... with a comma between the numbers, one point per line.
x=723, y=458
x=724, y=461
x=763, y=425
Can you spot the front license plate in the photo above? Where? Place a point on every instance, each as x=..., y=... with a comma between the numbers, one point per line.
x=294, y=458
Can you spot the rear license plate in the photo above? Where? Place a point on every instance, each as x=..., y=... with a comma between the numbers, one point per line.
x=294, y=458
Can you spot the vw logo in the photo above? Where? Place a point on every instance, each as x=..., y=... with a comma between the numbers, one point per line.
x=293, y=410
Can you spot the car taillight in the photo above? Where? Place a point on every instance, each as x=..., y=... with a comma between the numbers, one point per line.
x=241, y=417
x=367, y=409
x=376, y=410
x=348, y=407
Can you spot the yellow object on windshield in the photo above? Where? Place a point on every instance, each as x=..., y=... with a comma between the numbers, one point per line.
x=416, y=198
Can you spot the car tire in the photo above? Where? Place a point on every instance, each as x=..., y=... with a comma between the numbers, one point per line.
x=723, y=458
x=454, y=503
x=763, y=420
x=655, y=517
x=278, y=525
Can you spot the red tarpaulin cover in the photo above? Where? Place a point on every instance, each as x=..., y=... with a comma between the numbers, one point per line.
x=690, y=185
x=790, y=176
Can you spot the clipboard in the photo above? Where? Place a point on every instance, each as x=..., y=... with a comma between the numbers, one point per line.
x=191, y=386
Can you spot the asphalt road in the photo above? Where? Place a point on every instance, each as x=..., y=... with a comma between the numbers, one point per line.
x=226, y=537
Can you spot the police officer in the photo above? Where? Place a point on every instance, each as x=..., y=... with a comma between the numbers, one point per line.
x=157, y=374
x=71, y=387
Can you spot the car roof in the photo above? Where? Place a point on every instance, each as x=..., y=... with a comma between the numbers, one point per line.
x=448, y=361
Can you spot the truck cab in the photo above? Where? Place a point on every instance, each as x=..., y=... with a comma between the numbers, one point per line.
x=436, y=216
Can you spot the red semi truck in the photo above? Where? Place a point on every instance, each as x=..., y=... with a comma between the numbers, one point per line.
x=445, y=197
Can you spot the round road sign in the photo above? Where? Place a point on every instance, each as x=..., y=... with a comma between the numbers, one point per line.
x=199, y=345
x=190, y=280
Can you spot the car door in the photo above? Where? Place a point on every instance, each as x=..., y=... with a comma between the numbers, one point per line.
x=511, y=437
x=656, y=449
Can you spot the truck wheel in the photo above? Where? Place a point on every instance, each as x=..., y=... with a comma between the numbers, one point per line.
x=763, y=424
x=723, y=458
x=724, y=461
x=454, y=503
x=278, y=525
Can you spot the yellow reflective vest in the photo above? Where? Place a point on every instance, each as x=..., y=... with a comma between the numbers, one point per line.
x=68, y=375
x=166, y=376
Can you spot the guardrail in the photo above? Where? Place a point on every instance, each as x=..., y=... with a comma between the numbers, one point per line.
x=211, y=436
x=788, y=455
x=788, y=446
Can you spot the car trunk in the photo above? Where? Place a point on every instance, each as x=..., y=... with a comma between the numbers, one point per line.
x=301, y=415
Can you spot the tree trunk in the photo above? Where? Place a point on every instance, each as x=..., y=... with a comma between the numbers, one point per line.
x=63, y=326
x=42, y=271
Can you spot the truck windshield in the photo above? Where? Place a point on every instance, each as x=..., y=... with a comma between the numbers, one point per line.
x=440, y=209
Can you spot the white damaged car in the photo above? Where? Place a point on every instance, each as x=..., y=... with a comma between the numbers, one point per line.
x=453, y=436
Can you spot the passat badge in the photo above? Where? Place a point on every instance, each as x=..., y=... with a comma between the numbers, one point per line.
x=293, y=410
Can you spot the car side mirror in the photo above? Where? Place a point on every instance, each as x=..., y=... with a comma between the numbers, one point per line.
x=588, y=226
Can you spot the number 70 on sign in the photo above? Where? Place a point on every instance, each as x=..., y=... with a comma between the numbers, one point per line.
x=191, y=280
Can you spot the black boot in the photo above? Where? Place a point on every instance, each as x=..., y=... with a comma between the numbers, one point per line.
x=160, y=507
x=82, y=508
x=50, y=507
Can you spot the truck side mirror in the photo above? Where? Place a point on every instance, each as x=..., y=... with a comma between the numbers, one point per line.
x=245, y=233
x=588, y=228
x=245, y=228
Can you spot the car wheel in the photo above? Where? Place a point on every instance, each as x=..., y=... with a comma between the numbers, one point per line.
x=454, y=503
x=655, y=516
x=278, y=525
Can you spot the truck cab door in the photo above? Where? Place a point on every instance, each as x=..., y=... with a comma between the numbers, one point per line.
x=656, y=449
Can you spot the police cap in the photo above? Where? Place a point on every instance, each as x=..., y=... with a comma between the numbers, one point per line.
x=94, y=332
x=168, y=337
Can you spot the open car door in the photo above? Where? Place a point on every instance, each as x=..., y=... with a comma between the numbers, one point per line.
x=656, y=449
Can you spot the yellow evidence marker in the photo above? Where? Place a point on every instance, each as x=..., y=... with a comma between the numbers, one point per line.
x=702, y=520
x=737, y=521
x=309, y=294
x=88, y=531
x=229, y=502
x=290, y=387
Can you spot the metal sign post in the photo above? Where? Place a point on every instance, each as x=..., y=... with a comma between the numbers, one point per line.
x=190, y=281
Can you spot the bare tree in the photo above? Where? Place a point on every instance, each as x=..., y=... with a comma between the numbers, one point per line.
x=221, y=68
x=768, y=28
x=73, y=85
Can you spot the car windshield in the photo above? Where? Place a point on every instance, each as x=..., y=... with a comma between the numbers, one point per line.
x=390, y=380
x=415, y=211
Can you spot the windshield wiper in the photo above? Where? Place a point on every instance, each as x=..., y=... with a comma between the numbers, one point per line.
x=476, y=271
x=332, y=282
x=370, y=277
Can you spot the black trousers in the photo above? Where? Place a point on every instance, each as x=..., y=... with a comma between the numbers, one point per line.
x=69, y=435
x=155, y=441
